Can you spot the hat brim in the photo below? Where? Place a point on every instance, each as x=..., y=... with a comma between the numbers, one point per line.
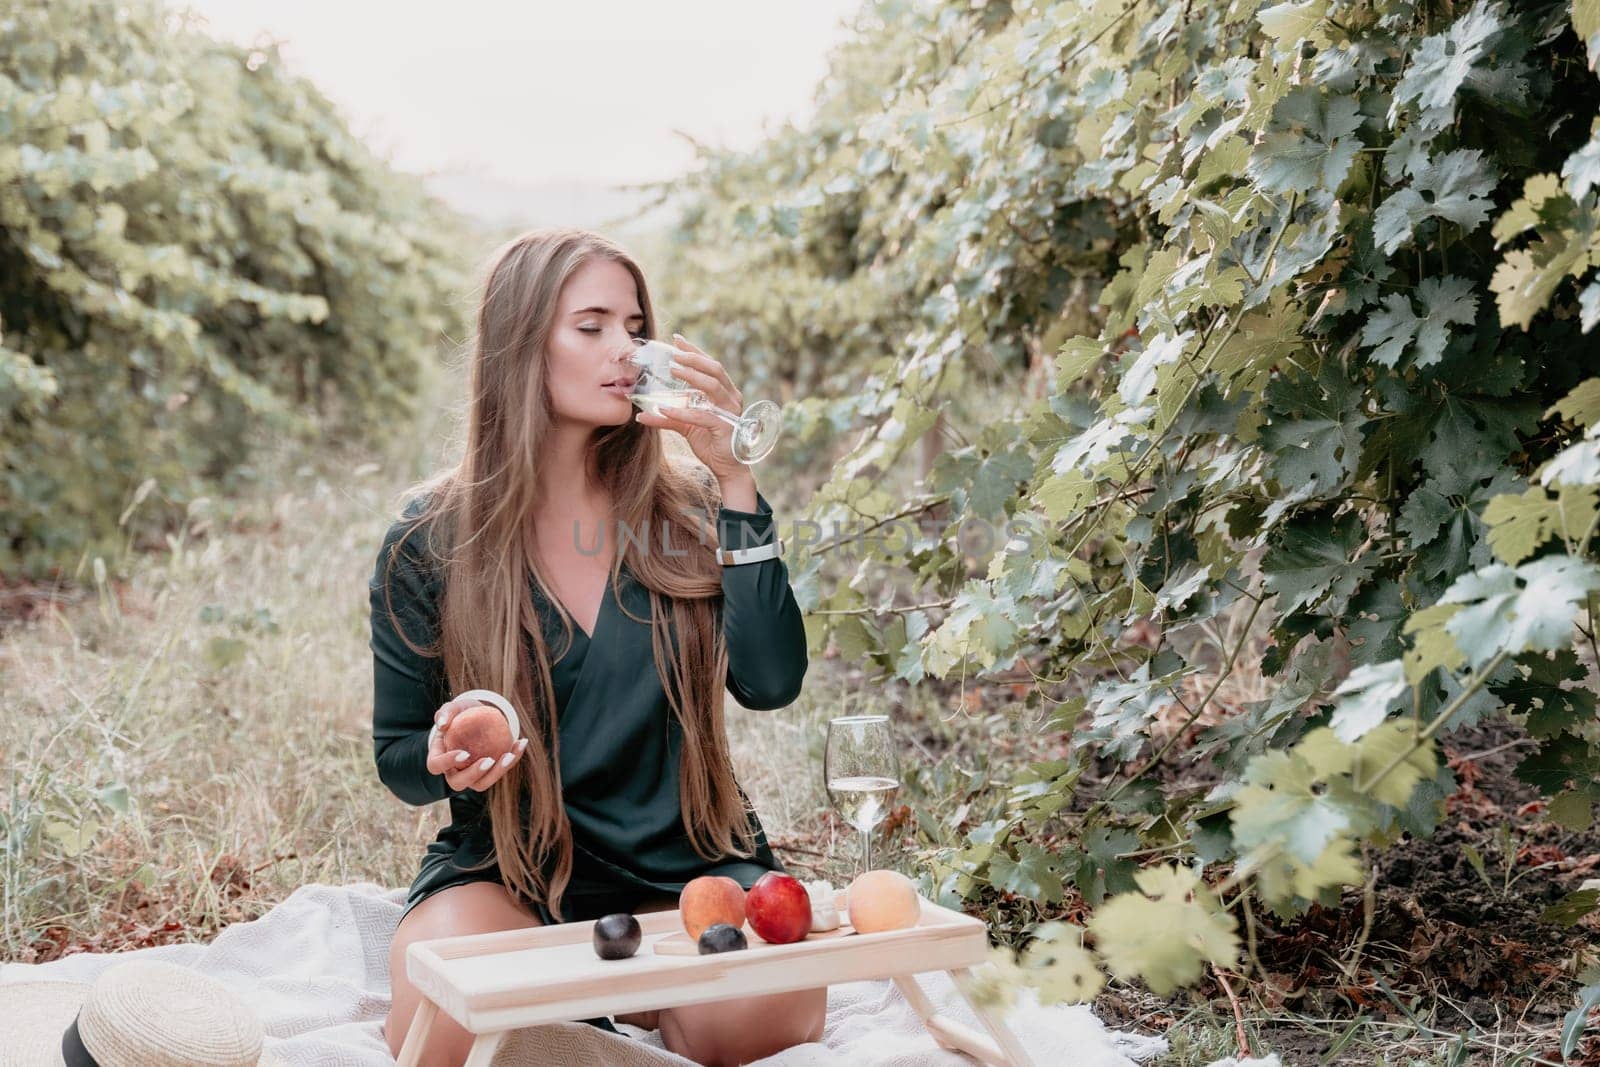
x=38, y=1012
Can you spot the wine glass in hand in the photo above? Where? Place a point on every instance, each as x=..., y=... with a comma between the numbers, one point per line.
x=862, y=773
x=755, y=429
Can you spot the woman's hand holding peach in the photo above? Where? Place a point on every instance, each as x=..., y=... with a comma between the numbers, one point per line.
x=710, y=437
x=459, y=774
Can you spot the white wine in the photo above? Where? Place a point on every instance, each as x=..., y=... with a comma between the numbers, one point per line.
x=654, y=402
x=863, y=800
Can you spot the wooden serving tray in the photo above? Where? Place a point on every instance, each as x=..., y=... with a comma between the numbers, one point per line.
x=494, y=983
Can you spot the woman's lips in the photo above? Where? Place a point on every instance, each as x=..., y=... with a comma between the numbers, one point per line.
x=620, y=388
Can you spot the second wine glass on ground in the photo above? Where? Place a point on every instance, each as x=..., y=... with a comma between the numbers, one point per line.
x=862, y=773
x=755, y=430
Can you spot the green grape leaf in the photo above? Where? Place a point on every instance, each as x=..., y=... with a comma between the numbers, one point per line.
x=1571, y=908
x=1444, y=62
x=1559, y=760
x=1314, y=437
x=1549, y=689
x=1064, y=495
x=1166, y=932
x=1059, y=967
x=1445, y=301
x=1377, y=614
x=1392, y=331
x=1281, y=878
x=1289, y=23
x=1582, y=169
x=1508, y=610
x=1520, y=523
x=1454, y=187
x=1572, y=810
x=1377, y=753
x=1310, y=143
x=1285, y=803
x=1315, y=560
x=1369, y=693
x=1577, y=465
x=1582, y=405
x=1102, y=869
x=1123, y=711
x=1035, y=873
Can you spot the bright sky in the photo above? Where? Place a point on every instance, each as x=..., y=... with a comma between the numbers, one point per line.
x=536, y=91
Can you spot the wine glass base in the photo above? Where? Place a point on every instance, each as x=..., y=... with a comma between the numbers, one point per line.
x=759, y=427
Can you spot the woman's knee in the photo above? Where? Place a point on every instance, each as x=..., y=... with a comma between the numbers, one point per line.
x=474, y=908
x=731, y=1032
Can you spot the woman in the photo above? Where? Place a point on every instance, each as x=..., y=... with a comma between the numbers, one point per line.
x=562, y=559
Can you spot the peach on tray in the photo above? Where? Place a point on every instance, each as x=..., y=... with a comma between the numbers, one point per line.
x=882, y=900
x=708, y=900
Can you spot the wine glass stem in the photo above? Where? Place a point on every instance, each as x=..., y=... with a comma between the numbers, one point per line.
x=866, y=850
x=726, y=416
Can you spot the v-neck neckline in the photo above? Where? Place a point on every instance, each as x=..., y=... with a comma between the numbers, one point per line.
x=599, y=615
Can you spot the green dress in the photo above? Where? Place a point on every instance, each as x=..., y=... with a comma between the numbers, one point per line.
x=620, y=742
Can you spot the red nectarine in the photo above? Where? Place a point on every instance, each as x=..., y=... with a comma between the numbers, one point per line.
x=779, y=908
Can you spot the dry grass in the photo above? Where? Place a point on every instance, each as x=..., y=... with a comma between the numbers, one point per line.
x=192, y=741
x=188, y=741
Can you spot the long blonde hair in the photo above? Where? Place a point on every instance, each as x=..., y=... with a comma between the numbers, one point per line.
x=486, y=614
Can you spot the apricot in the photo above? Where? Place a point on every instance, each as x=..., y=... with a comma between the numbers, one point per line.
x=480, y=730
x=708, y=900
x=883, y=900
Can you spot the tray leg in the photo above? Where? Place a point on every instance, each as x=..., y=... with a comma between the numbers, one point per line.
x=909, y=989
x=992, y=1022
x=955, y=1035
x=421, y=1023
x=484, y=1048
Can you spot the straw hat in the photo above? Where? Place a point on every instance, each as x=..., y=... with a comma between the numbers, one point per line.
x=139, y=1013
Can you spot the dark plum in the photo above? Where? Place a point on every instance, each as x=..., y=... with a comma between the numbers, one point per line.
x=721, y=937
x=616, y=936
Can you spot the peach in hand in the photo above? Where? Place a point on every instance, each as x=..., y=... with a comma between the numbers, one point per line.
x=480, y=731
x=708, y=900
x=883, y=899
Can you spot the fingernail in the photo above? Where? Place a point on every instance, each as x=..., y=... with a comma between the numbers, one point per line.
x=438, y=716
x=488, y=761
x=505, y=761
x=461, y=757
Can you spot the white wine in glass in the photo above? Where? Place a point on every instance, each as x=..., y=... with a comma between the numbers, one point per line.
x=682, y=398
x=862, y=773
x=755, y=430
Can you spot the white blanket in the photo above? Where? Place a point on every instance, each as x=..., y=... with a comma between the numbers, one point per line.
x=316, y=968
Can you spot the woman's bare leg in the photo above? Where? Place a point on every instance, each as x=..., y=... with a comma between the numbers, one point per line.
x=472, y=908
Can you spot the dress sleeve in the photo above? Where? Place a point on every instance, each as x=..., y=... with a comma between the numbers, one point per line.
x=407, y=687
x=761, y=622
